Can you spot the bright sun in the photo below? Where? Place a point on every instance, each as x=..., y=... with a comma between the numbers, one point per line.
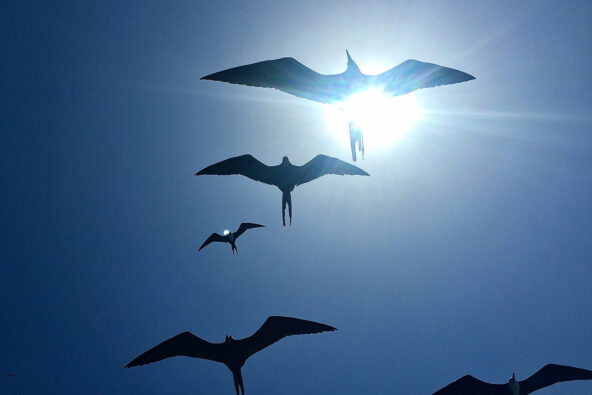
x=382, y=119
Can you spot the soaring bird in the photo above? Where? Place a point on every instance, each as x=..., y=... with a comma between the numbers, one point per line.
x=230, y=237
x=291, y=76
x=546, y=376
x=285, y=176
x=232, y=353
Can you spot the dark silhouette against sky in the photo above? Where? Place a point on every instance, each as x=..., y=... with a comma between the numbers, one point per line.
x=232, y=353
x=285, y=176
x=230, y=237
x=548, y=375
x=468, y=251
x=291, y=76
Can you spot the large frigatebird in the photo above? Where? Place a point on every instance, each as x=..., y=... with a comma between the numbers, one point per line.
x=291, y=76
x=546, y=376
x=285, y=176
x=232, y=353
x=230, y=237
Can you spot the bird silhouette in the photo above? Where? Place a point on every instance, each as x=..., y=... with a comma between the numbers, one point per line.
x=232, y=353
x=11, y=374
x=291, y=76
x=546, y=376
x=230, y=237
x=285, y=176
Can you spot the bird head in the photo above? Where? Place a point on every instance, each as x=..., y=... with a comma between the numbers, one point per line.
x=228, y=339
x=513, y=385
x=351, y=65
x=285, y=160
x=226, y=232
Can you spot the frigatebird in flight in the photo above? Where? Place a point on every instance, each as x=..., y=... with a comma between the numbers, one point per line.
x=285, y=176
x=291, y=76
x=232, y=353
x=546, y=376
x=230, y=237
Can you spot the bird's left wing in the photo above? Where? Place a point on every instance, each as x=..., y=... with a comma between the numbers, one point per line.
x=244, y=226
x=184, y=344
x=413, y=74
x=245, y=165
x=470, y=385
x=288, y=75
x=551, y=374
x=213, y=237
x=276, y=328
x=321, y=165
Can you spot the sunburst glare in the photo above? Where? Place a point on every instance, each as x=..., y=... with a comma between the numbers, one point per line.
x=383, y=119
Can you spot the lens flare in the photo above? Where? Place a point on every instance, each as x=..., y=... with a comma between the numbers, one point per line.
x=383, y=119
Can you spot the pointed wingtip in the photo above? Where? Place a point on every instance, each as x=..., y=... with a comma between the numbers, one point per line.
x=348, y=55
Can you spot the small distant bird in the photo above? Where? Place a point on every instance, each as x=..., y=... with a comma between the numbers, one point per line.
x=232, y=353
x=546, y=376
x=11, y=375
x=230, y=237
x=285, y=176
x=291, y=76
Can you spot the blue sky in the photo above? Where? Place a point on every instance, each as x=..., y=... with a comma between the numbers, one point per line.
x=467, y=252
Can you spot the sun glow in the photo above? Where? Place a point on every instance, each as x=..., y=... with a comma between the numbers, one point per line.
x=381, y=118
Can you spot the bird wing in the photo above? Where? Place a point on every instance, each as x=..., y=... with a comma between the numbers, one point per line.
x=276, y=328
x=288, y=75
x=184, y=344
x=413, y=74
x=551, y=374
x=469, y=385
x=213, y=237
x=244, y=226
x=245, y=165
x=322, y=164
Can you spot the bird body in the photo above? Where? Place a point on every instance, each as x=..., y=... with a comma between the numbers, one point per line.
x=546, y=376
x=291, y=76
x=232, y=353
x=230, y=237
x=284, y=176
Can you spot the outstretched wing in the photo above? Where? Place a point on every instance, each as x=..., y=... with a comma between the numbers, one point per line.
x=322, y=164
x=551, y=374
x=469, y=385
x=413, y=74
x=184, y=344
x=244, y=226
x=245, y=165
x=213, y=237
x=288, y=75
x=276, y=328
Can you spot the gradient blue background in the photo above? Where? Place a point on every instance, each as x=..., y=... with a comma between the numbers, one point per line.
x=467, y=251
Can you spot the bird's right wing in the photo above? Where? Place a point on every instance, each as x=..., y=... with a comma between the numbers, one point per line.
x=288, y=75
x=244, y=226
x=469, y=385
x=213, y=237
x=276, y=328
x=184, y=344
x=413, y=74
x=245, y=165
x=551, y=374
x=321, y=165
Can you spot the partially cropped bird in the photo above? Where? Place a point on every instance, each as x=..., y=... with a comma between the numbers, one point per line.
x=230, y=237
x=291, y=76
x=232, y=353
x=546, y=376
x=285, y=176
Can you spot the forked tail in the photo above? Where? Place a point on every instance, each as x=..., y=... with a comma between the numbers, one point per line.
x=356, y=136
x=286, y=199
